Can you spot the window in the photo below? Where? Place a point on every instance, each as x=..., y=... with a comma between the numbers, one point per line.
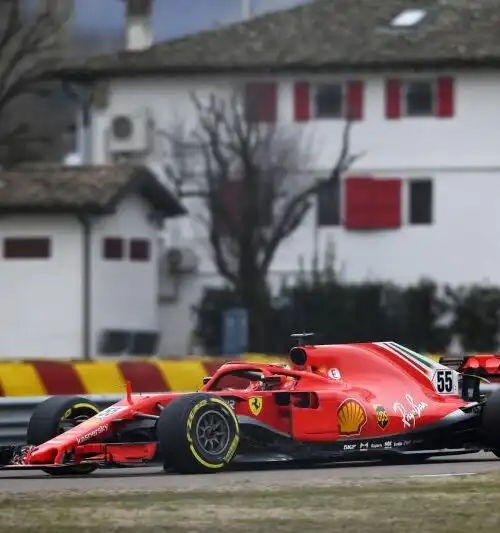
x=420, y=201
x=27, y=248
x=229, y=203
x=408, y=18
x=112, y=248
x=235, y=196
x=334, y=100
x=420, y=98
x=144, y=343
x=328, y=203
x=189, y=158
x=116, y=342
x=329, y=101
x=261, y=102
x=140, y=250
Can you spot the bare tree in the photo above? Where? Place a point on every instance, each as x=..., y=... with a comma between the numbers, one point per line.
x=256, y=190
x=31, y=40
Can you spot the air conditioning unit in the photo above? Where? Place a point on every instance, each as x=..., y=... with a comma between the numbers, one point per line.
x=131, y=133
x=181, y=260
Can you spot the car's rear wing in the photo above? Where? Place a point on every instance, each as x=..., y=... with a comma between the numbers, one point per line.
x=484, y=365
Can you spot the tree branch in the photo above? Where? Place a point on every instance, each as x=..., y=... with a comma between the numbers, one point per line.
x=28, y=45
x=268, y=160
x=297, y=207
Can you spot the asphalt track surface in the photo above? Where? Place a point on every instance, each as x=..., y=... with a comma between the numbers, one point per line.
x=153, y=478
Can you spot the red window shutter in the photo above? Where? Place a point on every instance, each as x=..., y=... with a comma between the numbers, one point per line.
x=386, y=203
x=227, y=217
x=270, y=103
x=302, y=102
x=355, y=100
x=393, y=99
x=261, y=102
x=358, y=202
x=445, y=98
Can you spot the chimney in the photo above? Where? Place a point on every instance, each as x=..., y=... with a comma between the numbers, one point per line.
x=138, y=31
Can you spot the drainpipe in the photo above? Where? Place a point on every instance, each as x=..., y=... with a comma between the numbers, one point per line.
x=85, y=102
x=86, y=287
x=86, y=134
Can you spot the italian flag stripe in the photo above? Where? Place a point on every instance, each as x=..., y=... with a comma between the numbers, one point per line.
x=414, y=363
x=412, y=357
x=420, y=358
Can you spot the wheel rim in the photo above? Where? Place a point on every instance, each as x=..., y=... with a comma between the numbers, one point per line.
x=212, y=432
x=68, y=423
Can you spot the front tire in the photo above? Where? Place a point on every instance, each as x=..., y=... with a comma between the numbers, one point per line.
x=55, y=416
x=197, y=434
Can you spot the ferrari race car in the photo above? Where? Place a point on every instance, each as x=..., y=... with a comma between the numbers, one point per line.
x=362, y=401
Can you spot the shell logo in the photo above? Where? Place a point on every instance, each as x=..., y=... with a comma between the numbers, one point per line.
x=351, y=417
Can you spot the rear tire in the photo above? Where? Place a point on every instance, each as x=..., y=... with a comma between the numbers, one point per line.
x=46, y=423
x=490, y=423
x=197, y=434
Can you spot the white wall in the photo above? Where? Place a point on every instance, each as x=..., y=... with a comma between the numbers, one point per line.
x=461, y=246
x=124, y=293
x=460, y=154
x=177, y=320
x=40, y=310
x=467, y=139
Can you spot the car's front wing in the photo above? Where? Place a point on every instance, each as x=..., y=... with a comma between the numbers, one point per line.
x=102, y=454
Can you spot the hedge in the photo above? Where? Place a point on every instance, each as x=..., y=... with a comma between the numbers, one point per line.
x=423, y=316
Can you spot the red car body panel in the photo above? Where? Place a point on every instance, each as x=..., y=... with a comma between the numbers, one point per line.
x=353, y=391
x=487, y=364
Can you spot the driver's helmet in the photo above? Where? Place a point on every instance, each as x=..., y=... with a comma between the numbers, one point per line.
x=329, y=372
x=258, y=386
x=254, y=385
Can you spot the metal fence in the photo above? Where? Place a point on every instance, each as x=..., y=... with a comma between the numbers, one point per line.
x=16, y=412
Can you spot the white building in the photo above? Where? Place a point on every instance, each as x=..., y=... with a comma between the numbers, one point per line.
x=424, y=84
x=79, y=261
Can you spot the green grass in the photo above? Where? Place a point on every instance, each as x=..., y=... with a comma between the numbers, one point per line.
x=443, y=505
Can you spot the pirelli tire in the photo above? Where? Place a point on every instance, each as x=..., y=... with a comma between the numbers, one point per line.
x=490, y=423
x=197, y=434
x=54, y=416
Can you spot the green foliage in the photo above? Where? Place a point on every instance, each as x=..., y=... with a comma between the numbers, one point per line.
x=423, y=316
x=477, y=312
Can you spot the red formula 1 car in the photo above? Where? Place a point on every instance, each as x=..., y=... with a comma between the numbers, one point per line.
x=362, y=401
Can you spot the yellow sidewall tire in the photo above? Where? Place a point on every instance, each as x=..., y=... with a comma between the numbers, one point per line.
x=179, y=445
x=45, y=422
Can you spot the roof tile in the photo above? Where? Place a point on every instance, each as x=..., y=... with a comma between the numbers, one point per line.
x=97, y=189
x=323, y=34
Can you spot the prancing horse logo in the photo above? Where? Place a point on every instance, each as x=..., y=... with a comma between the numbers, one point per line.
x=255, y=404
